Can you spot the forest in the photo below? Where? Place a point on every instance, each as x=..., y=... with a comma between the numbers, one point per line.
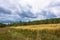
x=36, y=22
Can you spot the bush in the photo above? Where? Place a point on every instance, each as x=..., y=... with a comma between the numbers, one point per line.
x=2, y=25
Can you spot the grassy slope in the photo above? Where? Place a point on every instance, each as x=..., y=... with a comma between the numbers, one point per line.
x=38, y=27
x=48, y=32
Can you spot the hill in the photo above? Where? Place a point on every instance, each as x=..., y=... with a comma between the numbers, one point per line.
x=38, y=27
x=37, y=22
x=32, y=32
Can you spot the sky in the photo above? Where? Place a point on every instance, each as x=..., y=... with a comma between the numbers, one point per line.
x=28, y=10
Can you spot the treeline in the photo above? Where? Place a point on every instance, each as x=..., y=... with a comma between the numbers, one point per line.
x=2, y=25
x=37, y=22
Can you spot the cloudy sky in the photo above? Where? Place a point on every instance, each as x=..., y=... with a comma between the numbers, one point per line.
x=28, y=10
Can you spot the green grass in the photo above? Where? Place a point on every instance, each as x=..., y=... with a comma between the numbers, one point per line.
x=25, y=34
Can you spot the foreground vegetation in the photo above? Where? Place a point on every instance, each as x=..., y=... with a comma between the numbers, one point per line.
x=26, y=34
x=32, y=32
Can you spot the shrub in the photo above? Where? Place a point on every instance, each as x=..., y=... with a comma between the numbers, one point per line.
x=2, y=25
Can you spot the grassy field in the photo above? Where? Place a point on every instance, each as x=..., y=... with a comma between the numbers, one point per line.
x=38, y=27
x=31, y=32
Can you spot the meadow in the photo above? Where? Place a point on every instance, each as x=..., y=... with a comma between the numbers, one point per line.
x=31, y=32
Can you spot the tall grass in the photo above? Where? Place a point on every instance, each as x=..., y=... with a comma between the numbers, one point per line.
x=25, y=34
x=36, y=34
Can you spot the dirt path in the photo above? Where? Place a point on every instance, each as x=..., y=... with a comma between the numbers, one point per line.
x=39, y=27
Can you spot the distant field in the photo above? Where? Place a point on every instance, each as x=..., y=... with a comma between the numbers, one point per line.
x=31, y=32
x=38, y=27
